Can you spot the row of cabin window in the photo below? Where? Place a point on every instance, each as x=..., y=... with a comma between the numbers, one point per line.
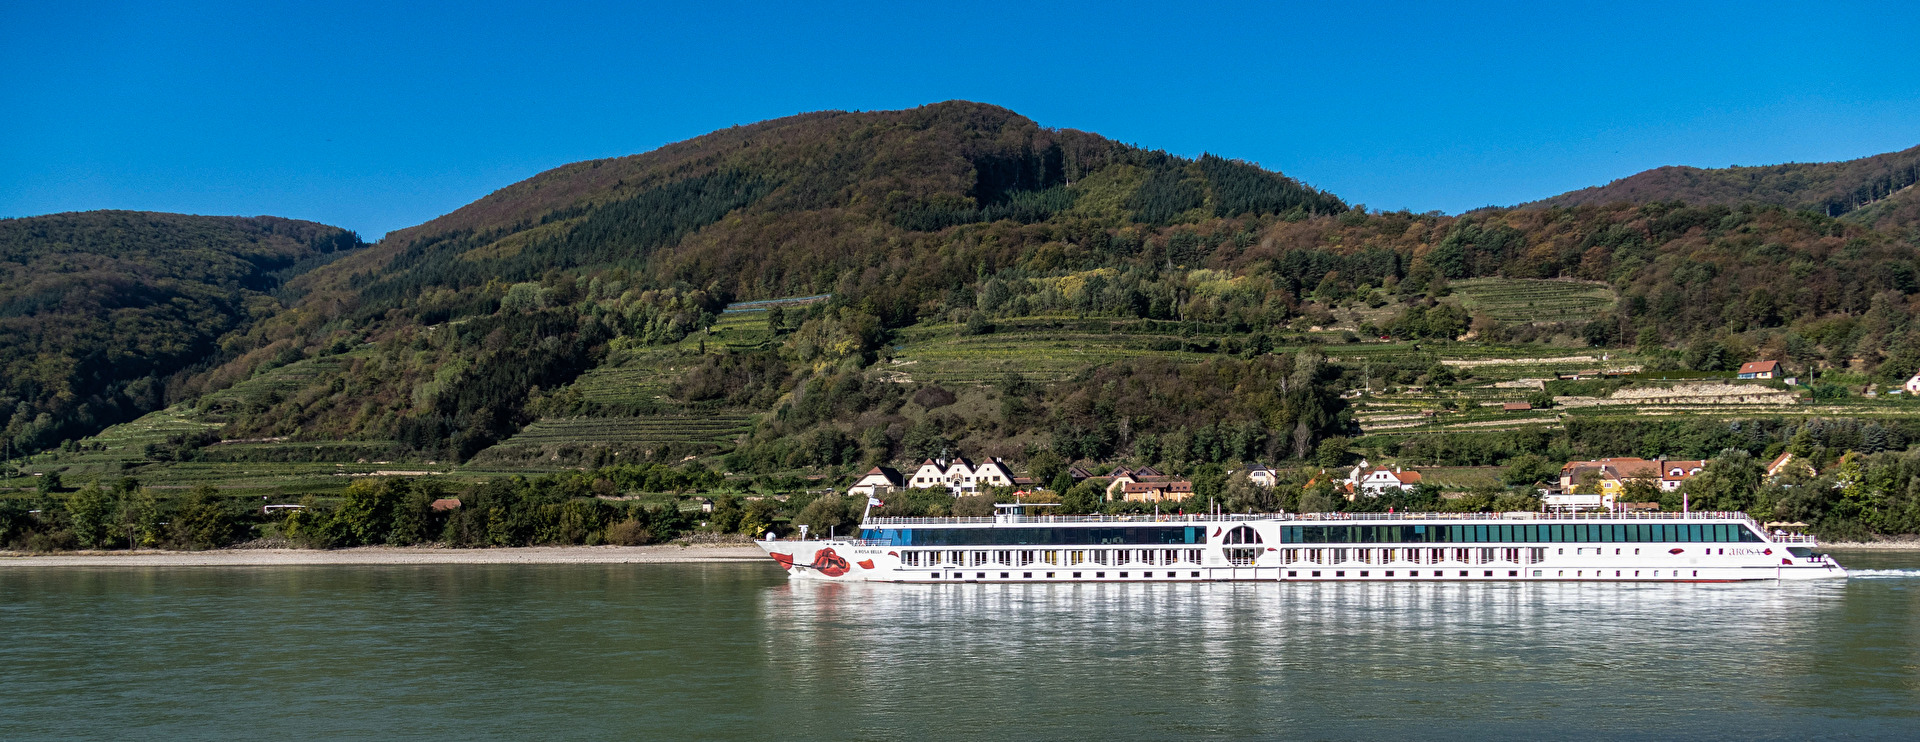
x=1502, y=533
x=1040, y=536
x=1482, y=555
x=1068, y=557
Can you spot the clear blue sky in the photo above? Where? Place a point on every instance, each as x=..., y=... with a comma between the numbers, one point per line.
x=381, y=115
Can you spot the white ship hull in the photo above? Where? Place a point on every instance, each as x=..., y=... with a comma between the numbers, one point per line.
x=1254, y=548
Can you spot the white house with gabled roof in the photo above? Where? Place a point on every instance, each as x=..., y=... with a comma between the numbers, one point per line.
x=962, y=476
x=879, y=481
x=1263, y=475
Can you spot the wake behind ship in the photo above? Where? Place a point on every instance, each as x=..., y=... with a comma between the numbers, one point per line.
x=1011, y=547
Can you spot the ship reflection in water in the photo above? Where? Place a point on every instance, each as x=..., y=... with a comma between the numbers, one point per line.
x=1344, y=659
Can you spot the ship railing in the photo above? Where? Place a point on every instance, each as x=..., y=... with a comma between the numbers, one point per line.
x=1793, y=538
x=1315, y=518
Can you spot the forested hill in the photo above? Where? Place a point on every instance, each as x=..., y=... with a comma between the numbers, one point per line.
x=803, y=204
x=1876, y=191
x=104, y=313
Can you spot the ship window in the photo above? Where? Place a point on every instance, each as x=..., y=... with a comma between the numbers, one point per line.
x=1389, y=573
x=1413, y=573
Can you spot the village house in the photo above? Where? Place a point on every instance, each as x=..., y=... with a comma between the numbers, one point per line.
x=961, y=476
x=1913, y=385
x=878, y=482
x=1787, y=463
x=1120, y=477
x=1375, y=480
x=1610, y=477
x=1146, y=484
x=1759, y=369
x=1170, y=490
x=1611, y=474
x=1675, y=473
x=1263, y=475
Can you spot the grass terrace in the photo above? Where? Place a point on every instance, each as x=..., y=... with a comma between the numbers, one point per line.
x=1524, y=300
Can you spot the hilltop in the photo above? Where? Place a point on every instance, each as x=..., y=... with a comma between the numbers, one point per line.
x=1876, y=191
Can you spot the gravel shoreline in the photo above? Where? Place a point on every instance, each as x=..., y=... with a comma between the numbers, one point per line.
x=390, y=555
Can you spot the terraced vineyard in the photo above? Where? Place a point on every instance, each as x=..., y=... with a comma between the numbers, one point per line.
x=1522, y=300
x=276, y=382
x=637, y=378
x=1039, y=348
x=736, y=331
x=586, y=441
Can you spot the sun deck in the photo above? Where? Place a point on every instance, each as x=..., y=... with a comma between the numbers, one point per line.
x=1313, y=518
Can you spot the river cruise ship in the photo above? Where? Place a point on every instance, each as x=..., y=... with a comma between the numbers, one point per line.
x=1363, y=547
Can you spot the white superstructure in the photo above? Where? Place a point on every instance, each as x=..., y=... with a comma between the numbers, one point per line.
x=1667, y=547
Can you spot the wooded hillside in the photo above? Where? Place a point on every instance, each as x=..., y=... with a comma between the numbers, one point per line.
x=1876, y=191
x=103, y=313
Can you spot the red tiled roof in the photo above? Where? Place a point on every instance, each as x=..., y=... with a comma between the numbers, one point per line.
x=1758, y=367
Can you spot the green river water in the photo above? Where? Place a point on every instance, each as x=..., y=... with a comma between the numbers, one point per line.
x=735, y=651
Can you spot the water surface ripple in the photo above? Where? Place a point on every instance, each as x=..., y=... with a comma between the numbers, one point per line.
x=735, y=651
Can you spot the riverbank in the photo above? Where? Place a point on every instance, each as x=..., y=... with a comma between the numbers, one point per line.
x=391, y=555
